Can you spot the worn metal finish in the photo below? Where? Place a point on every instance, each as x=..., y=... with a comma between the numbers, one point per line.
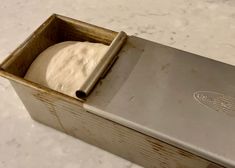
x=142, y=110
x=104, y=64
x=73, y=119
x=178, y=97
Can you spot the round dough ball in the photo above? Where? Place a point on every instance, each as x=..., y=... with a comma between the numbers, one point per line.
x=65, y=66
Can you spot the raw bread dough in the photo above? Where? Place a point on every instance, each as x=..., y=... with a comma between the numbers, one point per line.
x=65, y=66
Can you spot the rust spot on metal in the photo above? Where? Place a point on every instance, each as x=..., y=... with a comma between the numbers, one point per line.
x=193, y=70
x=155, y=146
x=186, y=154
x=158, y=147
x=213, y=166
x=165, y=67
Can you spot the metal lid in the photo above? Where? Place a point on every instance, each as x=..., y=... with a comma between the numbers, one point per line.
x=175, y=96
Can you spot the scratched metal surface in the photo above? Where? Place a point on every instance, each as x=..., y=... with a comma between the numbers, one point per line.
x=178, y=97
x=71, y=118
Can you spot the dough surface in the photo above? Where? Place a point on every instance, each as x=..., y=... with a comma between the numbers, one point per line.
x=65, y=66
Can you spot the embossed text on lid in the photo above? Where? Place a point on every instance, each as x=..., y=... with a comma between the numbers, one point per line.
x=216, y=101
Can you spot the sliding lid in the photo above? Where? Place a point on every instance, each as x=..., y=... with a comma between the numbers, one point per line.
x=178, y=97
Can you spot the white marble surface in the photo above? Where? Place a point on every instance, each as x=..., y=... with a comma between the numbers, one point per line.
x=205, y=27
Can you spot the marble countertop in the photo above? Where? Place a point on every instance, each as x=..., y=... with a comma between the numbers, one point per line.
x=204, y=27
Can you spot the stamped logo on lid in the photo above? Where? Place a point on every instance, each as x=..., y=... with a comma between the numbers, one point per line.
x=216, y=101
